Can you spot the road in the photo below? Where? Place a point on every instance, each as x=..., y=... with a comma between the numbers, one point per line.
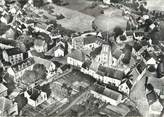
x=139, y=97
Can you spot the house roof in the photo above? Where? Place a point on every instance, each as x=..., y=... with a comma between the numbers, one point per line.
x=23, y=64
x=117, y=53
x=110, y=72
x=13, y=51
x=129, y=84
x=107, y=92
x=2, y=88
x=96, y=52
x=86, y=64
x=141, y=66
x=91, y=39
x=57, y=64
x=41, y=25
x=129, y=33
x=65, y=67
x=5, y=104
x=112, y=94
x=77, y=54
x=145, y=54
x=139, y=34
x=60, y=46
x=8, y=42
x=45, y=62
x=151, y=97
x=34, y=93
x=3, y=28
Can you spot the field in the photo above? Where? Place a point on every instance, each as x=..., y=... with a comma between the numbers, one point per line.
x=156, y=4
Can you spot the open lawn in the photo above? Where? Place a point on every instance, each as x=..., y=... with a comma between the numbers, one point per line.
x=74, y=20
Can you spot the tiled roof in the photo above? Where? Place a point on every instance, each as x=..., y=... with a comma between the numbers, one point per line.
x=45, y=62
x=129, y=33
x=151, y=97
x=139, y=34
x=91, y=39
x=110, y=72
x=94, y=66
x=34, y=93
x=107, y=92
x=86, y=64
x=77, y=54
x=112, y=94
x=5, y=104
x=2, y=88
x=3, y=28
x=13, y=51
x=8, y=42
x=23, y=64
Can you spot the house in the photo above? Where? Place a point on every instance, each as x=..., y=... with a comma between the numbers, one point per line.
x=138, y=35
x=111, y=76
x=35, y=97
x=7, y=44
x=106, y=95
x=125, y=86
x=85, y=67
x=41, y=27
x=77, y=43
x=3, y=90
x=14, y=55
x=138, y=71
x=7, y=18
x=63, y=68
x=10, y=34
x=56, y=51
x=18, y=69
x=129, y=35
x=88, y=42
x=40, y=45
x=50, y=66
x=91, y=42
x=59, y=51
x=76, y=58
x=7, y=107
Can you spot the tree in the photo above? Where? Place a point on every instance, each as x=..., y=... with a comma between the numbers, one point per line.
x=3, y=28
x=30, y=77
x=21, y=101
x=46, y=88
x=38, y=3
x=118, y=31
x=56, y=2
x=40, y=69
x=22, y=2
x=150, y=87
x=21, y=46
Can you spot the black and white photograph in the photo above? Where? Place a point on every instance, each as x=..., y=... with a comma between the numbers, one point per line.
x=81, y=58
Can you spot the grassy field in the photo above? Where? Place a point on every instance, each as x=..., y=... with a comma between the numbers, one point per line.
x=155, y=4
x=74, y=20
